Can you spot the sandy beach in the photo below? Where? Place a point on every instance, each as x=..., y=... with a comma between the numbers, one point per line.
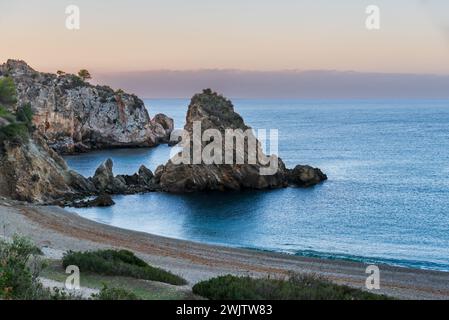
x=57, y=230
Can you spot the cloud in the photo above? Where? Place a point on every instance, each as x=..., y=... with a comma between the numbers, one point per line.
x=281, y=84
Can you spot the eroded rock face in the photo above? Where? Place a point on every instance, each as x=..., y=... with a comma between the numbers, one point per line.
x=33, y=172
x=213, y=111
x=75, y=116
x=163, y=126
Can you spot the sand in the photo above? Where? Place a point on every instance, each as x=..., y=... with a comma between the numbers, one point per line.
x=56, y=231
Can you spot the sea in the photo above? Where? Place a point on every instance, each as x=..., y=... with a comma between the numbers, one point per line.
x=386, y=200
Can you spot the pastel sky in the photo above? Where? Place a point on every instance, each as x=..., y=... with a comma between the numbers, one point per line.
x=132, y=35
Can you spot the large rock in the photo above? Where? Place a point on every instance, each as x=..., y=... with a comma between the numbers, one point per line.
x=216, y=112
x=31, y=171
x=106, y=183
x=163, y=126
x=305, y=176
x=75, y=116
x=104, y=180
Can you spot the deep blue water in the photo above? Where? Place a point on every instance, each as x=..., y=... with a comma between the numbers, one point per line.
x=387, y=198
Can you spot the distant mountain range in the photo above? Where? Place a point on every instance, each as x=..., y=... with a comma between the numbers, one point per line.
x=319, y=84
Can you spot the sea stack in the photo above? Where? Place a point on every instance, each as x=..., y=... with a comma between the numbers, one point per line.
x=209, y=110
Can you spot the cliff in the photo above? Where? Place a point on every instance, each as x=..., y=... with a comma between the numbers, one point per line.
x=75, y=116
x=31, y=171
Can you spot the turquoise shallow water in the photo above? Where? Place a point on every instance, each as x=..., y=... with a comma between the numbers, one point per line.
x=387, y=198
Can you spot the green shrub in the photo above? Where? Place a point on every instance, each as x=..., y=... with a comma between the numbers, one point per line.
x=19, y=272
x=14, y=132
x=119, y=263
x=6, y=114
x=25, y=114
x=114, y=294
x=20, y=267
x=297, y=287
x=7, y=91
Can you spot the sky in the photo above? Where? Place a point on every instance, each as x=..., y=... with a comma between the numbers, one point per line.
x=118, y=36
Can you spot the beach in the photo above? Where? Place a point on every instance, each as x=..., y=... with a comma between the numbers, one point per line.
x=55, y=230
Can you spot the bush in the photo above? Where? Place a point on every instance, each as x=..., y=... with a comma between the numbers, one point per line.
x=7, y=91
x=19, y=272
x=297, y=287
x=7, y=115
x=25, y=114
x=14, y=132
x=114, y=294
x=119, y=263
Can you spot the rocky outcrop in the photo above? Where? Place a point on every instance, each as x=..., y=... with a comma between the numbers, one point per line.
x=31, y=171
x=305, y=176
x=105, y=182
x=164, y=126
x=75, y=116
x=213, y=111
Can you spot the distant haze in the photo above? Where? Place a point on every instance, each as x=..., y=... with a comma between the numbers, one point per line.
x=280, y=84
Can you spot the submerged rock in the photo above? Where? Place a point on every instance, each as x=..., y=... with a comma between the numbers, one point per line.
x=75, y=116
x=100, y=201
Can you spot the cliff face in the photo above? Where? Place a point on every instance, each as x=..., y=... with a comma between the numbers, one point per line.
x=213, y=111
x=31, y=171
x=75, y=116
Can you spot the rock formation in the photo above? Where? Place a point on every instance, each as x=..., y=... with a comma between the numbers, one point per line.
x=75, y=116
x=213, y=111
x=164, y=126
x=31, y=171
x=105, y=182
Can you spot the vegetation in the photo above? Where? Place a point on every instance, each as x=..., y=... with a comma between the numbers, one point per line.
x=19, y=271
x=6, y=114
x=143, y=289
x=14, y=132
x=7, y=91
x=114, y=294
x=18, y=125
x=297, y=287
x=119, y=263
x=60, y=73
x=25, y=115
x=84, y=74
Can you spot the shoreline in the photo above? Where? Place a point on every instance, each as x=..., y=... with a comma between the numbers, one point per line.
x=57, y=230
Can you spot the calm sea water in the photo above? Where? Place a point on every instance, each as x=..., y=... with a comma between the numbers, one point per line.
x=387, y=198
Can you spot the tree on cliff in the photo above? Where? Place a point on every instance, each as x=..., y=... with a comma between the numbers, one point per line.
x=7, y=91
x=84, y=74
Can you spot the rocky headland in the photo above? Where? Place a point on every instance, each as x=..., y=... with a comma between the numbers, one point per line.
x=75, y=116
x=44, y=115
